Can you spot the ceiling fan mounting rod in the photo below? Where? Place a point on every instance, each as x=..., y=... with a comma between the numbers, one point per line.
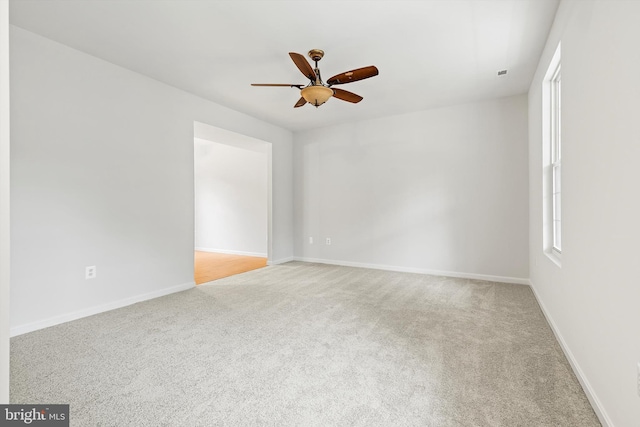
x=318, y=78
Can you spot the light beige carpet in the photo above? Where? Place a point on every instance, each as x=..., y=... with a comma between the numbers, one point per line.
x=309, y=345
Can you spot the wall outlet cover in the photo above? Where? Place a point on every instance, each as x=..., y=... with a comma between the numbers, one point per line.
x=90, y=272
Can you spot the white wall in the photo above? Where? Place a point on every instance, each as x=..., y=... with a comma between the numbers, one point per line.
x=231, y=198
x=437, y=191
x=4, y=202
x=102, y=174
x=592, y=300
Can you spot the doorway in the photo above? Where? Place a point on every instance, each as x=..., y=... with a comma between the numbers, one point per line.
x=232, y=182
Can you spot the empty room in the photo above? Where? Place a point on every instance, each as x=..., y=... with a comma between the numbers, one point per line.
x=445, y=194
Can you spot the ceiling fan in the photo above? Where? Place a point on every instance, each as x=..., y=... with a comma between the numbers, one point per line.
x=316, y=92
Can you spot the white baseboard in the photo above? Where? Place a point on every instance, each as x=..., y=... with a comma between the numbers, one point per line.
x=586, y=386
x=489, y=278
x=231, y=252
x=280, y=261
x=56, y=320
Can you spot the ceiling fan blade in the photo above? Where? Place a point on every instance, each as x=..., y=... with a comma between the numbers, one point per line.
x=276, y=84
x=346, y=95
x=353, y=75
x=300, y=102
x=303, y=65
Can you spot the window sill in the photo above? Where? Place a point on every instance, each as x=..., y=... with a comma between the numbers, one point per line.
x=554, y=257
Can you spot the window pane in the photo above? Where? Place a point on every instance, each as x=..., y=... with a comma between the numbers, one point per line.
x=559, y=119
x=557, y=208
x=557, y=179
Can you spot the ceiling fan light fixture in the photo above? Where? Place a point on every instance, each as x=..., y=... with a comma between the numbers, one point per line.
x=316, y=95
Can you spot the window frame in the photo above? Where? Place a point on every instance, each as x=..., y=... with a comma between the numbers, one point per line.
x=556, y=159
x=551, y=159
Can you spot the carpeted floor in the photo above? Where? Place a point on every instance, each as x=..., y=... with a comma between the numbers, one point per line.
x=309, y=345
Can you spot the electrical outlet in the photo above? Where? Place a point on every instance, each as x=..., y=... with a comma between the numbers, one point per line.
x=328, y=240
x=90, y=272
x=311, y=240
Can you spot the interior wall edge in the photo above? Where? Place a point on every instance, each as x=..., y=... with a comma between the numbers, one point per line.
x=5, y=225
x=597, y=406
x=67, y=317
x=461, y=275
x=231, y=252
x=281, y=261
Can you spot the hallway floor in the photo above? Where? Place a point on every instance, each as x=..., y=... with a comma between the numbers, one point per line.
x=212, y=265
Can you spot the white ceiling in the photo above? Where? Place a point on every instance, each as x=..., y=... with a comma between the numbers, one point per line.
x=430, y=53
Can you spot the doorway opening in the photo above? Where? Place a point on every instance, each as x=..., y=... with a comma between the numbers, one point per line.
x=232, y=182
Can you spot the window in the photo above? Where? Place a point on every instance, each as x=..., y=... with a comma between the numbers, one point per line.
x=552, y=159
x=556, y=157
